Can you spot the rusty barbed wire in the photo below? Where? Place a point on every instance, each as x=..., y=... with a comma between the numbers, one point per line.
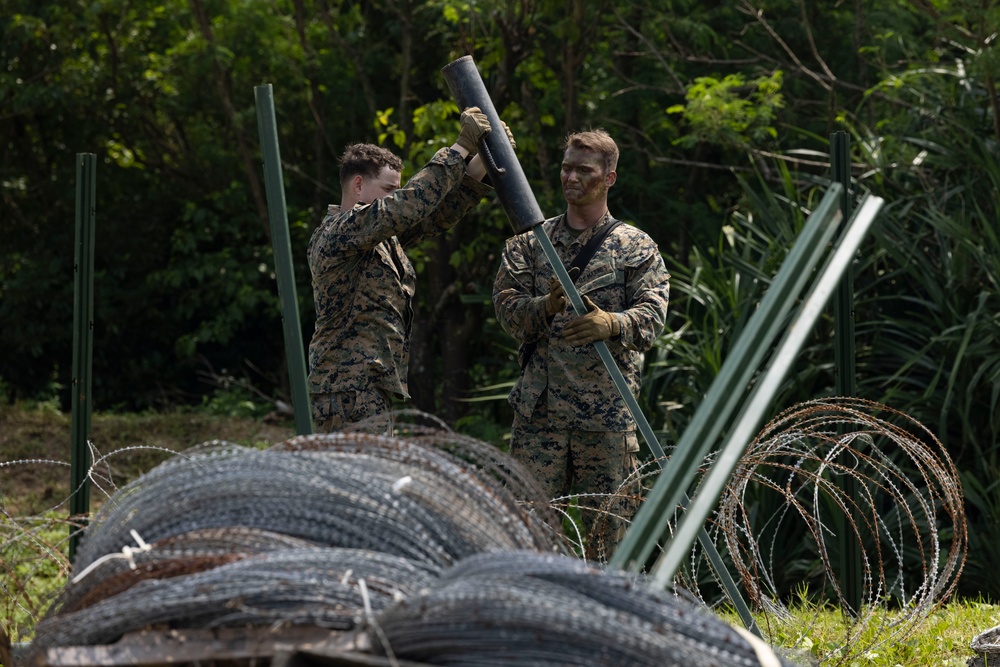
x=782, y=513
x=844, y=464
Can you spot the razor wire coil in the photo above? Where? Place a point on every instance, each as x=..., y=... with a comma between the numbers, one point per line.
x=844, y=464
x=542, y=609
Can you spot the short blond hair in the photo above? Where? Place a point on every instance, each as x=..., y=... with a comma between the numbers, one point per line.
x=597, y=141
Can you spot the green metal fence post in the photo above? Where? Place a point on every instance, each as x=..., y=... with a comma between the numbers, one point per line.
x=83, y=339
x=753, y=413
x=727, y=390
x=844, y=354
x=844, y=362
x=281, y=243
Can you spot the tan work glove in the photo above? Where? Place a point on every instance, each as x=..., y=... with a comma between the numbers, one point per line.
x=475, y=126
x=595, y=325
x=556, y=301
x=510, y=136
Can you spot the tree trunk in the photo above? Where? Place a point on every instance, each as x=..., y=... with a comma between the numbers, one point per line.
x=229, y=111
x=321, y=142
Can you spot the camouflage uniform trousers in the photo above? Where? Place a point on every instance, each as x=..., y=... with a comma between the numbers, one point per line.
x=367, y=411
x=583, y=462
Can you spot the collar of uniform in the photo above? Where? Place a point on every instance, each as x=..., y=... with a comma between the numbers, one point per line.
x=565, y=238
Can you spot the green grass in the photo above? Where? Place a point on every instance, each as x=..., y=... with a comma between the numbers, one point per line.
x=941, y=639
x=33, y=569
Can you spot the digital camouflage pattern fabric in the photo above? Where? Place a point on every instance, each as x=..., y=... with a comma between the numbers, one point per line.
x=366, y=410
x=596, y=462
x=627, y=278
x=363, y=282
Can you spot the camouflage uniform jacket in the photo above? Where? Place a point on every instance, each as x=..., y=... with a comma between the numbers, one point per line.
x=363, y=282
x=626, y=277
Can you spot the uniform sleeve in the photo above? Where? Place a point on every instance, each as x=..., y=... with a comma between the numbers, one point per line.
x=647, y=286
x=433, y=200
x=521, y=313
x=456, y=204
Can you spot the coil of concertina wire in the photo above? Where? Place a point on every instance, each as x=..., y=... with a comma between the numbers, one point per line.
x=346, y=490
x=907, y=498
x=313, y=585
x=433, y=546
x=546, y=609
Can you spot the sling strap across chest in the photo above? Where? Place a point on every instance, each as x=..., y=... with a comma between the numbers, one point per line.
x=579, y=262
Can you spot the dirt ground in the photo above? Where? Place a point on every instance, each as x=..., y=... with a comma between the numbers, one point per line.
x=36, y=449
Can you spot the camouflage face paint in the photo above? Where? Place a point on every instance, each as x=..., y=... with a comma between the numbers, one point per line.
x=584, y=180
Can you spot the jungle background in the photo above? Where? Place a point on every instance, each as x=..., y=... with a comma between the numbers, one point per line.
x=723, y=111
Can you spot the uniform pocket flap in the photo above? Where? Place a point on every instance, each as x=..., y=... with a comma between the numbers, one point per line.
x=597, y=282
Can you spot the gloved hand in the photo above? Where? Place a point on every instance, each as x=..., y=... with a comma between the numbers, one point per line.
x=510, y=136
x=595, y=325
x=556, y=301
x=475, y=126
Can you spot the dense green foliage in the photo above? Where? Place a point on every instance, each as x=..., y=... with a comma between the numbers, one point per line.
x=723, y=111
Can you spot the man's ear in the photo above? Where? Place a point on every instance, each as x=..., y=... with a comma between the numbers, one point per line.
x=357, y=184
x=610, y=178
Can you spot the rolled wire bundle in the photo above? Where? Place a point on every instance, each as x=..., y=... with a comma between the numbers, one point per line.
x=422, y=504
x=987, y=647
x=278, y=492
x=327, y=587
x=188, y=553
x=545, y=610
x=475, y=468
x=483, y=457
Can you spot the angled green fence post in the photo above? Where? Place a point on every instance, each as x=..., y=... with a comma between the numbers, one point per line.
x=752, y=416
x=844, y=362
x=729, y=387
x=83, y=340
x=282, y=247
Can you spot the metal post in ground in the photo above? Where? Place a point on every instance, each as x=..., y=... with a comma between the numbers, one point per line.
x=83, y=341
x=844, y=362
x=282, y=248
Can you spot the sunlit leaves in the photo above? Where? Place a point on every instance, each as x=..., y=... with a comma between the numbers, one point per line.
x=731, y=111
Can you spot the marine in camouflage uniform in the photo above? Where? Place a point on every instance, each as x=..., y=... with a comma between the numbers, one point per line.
x=571, y=425
x=363, y=287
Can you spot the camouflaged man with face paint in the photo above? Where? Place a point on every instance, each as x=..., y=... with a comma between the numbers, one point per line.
x=363, y=282
x=571, y=425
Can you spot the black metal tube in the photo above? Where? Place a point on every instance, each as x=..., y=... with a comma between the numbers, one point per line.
x=519, y=202
x=506, y=175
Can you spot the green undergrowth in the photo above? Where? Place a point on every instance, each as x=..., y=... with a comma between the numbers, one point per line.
x=823, y=635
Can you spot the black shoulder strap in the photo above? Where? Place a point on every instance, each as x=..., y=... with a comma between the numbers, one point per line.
x=587, y=251
x=579, y=262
